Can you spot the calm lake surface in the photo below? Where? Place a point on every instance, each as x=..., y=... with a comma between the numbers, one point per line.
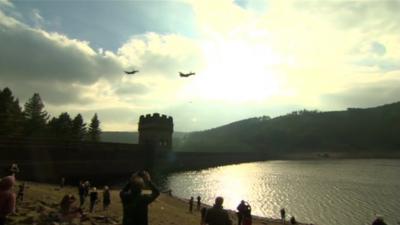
x=326, y=192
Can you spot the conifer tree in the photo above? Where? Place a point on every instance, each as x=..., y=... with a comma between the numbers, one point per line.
x=78, y=128
x=35, y=115
x=94, y=130
x=11, y=117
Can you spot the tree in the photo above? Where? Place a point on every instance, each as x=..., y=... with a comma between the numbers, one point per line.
x=94, y=129
x=35, y=115
x=78, y=128
x=11, y=117
x=61, y=127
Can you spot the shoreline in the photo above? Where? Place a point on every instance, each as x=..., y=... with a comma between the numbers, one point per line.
x=41, y=203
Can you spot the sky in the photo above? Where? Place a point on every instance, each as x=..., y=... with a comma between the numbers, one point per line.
x=251, y=58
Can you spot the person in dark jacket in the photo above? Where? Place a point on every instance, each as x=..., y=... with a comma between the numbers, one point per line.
x=94, y=197
x=241, y=208
x=81, y=190
x=198, y=202
x=106, y=198
x=191, y=201
x=134, y=202
x=217, y=215
x=283, y=215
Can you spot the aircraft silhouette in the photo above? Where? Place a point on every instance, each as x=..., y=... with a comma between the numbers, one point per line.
x=131, y=72
x=186, y=74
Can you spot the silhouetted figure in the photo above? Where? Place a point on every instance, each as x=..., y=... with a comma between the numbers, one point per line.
x=87, y=188
x=378, y=221
x=134, y=203
x=7, y=198
x=198, y=202
x=81, y=191
x=170, y=193
x=241, y=208
x=247, y=219
x=62, y=182
x=21, y=192
x=106, y=198
x=191, y=201
x=283, y=215
x=94, y=197
x=217, y=215
x=293, y=220
x=68, y=210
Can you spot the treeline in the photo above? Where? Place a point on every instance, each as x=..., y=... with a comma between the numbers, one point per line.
x=351, y=131
x=34, y=122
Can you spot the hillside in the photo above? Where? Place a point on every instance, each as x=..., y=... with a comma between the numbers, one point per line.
x=131, y=137
x=354, y=130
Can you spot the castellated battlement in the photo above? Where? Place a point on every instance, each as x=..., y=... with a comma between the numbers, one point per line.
x=156, y=121
x=156, y=130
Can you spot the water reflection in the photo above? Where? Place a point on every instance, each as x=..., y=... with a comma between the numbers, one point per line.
x=324, y=192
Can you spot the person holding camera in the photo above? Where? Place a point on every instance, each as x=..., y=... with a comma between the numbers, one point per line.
x=217, y=215
x=134, y=202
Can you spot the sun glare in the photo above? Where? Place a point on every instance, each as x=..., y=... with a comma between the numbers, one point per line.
x=236, y=71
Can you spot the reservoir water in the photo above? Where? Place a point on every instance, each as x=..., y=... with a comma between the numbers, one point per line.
x=326, y=192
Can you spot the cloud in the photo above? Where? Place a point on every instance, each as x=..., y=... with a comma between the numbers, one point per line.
x=37, y=18
x=35, y=55
x=59, y=68
x=6, y=3
x=164, y=55
x=130, y=89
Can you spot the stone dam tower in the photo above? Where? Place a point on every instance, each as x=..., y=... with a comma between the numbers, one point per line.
x=156, y=130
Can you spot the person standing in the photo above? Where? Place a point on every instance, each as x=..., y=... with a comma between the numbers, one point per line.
x=106, y=198
x=198, y=202
x=241, y=208
x=7, y=198
x=217, y=215
x=81, y=191
x=134, y=203
x=191, y=201
x=283, y=215
x=94, y=196
x=247, y=218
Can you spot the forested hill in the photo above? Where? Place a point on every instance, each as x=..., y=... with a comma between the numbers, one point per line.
x=353, y=130
x=131, y=137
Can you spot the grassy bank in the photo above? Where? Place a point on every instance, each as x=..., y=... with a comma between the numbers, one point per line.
x=41, y=205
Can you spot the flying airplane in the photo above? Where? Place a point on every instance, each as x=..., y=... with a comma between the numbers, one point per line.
x=186, y=74
x=131, y=72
